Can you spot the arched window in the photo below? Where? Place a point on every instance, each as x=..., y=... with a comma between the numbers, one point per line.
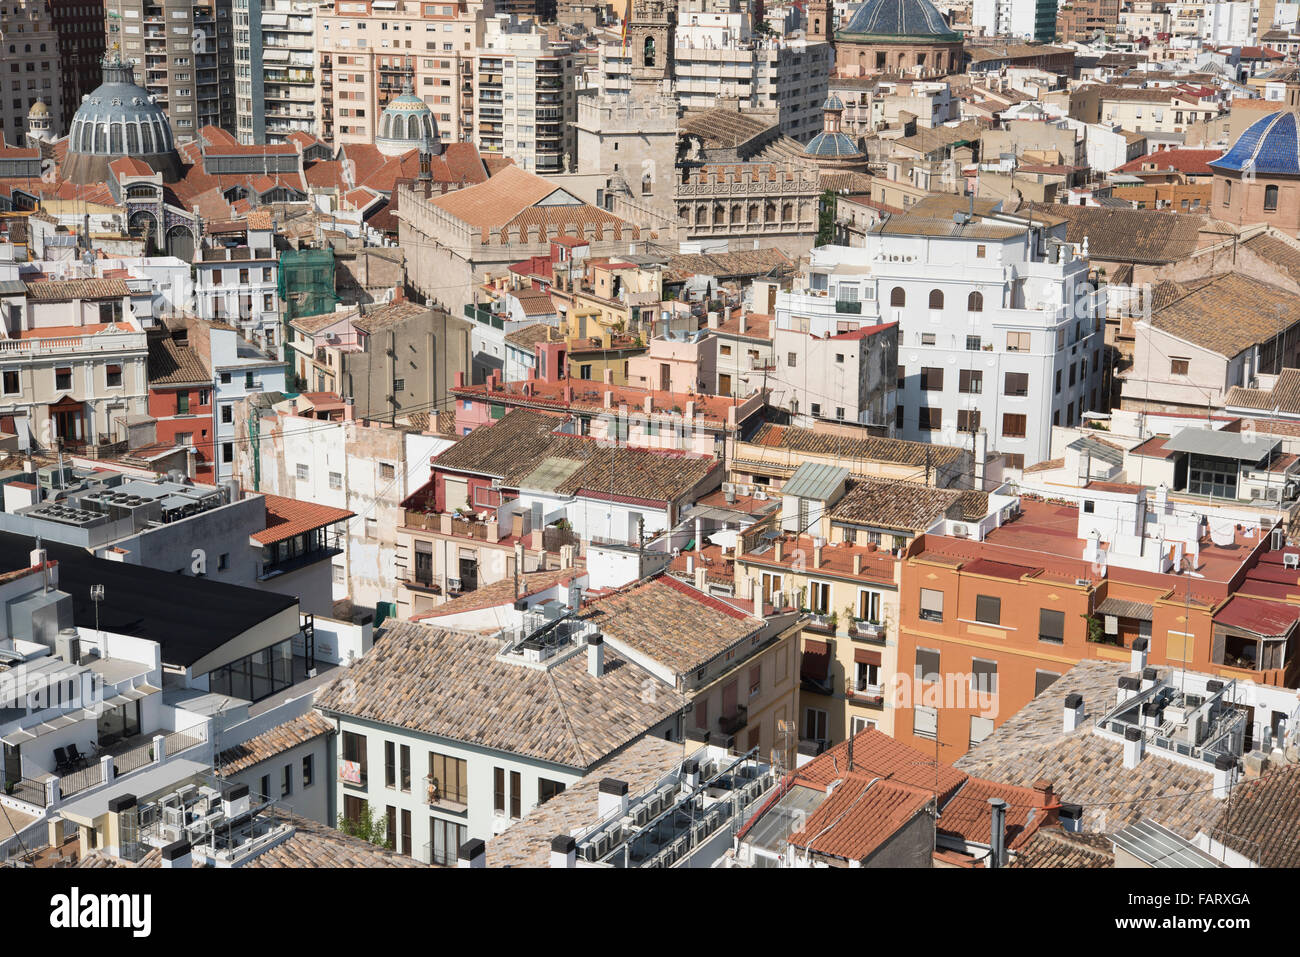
x=975, y=302
x=647, y=185
x=753, y=213
x=701, y=215
x=649, y=52
x=101, y=138
x=146, y=139
x=1270, y=198
x=719, y=214
x=769, y=212
x=735, y=213
x=132, y=139
x=936, y=299
x=898, y=298
x=787, y=212
x=684, y=214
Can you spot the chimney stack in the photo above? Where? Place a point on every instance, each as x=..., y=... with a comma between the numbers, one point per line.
x=1225, y=772
x=777, y=553
x=817, y=553
x=997, y=832
x=473, y=853
x=596, y=655
x=564, y=851
x=1071, y=816
x=1149, y=678
x=1046, y=799
x=1073, y=712
x=857, y=563
x=177, y=855
x=1138, y=658
x=1134, y=747
x=611, y=798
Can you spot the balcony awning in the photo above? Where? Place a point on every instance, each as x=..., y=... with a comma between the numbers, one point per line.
x=816, y=660
x=864, y=657
x=15, y=738
x=118, y=700
x=1121, y=608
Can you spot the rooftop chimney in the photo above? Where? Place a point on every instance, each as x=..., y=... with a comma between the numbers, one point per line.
x=473, y=853
x=1073, y=712
x=177, y=855
x=1046, y=798
x=1133, y=747
x=817, y=553
x=777, y=553
x=1150, y=714
x=1149, y=678
x=1071, y=817
x=1225, y=772
x=857, y=563
x=611, y=798
x=564, y=851
x=1128, y=687
x=1138, y=658
x=691, y=773
x=235, y=800
x=997, y=832
x=596, y=655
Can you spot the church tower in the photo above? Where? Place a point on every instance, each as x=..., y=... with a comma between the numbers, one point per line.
x=650, y=30
x=819, y=20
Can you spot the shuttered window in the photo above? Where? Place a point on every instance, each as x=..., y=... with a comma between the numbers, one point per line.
x=1043, y=680
x=927, y=664
x=925, y=723
x=1051, y=625
x=931, y=604
x=457, y=494
x=988, y=609
x=984, y=676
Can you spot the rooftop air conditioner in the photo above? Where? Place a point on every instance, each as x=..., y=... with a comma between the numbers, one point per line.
x=760, y=495
x=960, y=531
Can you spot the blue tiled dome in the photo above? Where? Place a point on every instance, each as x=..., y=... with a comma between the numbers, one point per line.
x=831, y=144
x=833, y=102
x=1270, y=145
x=899, y=18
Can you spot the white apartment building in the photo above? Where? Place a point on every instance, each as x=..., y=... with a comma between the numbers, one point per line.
x=716, y=54
x=1024, y=19
x=238, y=285
x=366, y=50
x=239, y=369
x=29, y=48
x=998, y=327
x=1230, y=22
x=275, y=79
x=524, y=96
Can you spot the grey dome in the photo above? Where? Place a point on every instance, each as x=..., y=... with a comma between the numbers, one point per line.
x=119, y=119
x=407, y=123
x=899, y=19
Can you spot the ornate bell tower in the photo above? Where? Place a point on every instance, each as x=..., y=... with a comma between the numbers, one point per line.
x=650, y=30
x=819, y=20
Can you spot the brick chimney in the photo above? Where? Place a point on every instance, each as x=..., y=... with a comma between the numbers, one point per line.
x=1046, y=793
x=857, y=564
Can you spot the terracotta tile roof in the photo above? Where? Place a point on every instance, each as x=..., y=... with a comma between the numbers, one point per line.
x=868, y=448
x=1269, y=619
x=516, y=446
x=1285, y=255
x=319, y=845
x=671, y=623
x=259, y=219
x=1055, y=847
x=1263, y=820
x=391, y=314
x=500, y=593
x=59, y=290
x=1180, y=160
x=451, y=685
x=878, y=755
x=1284, y=396
x=859, y=816
x=1087, y=769
x=742, y=264
x=173, y=364
x=314, y=324
x=527, y=843
x=1228, y=314
x=966, y=814
x=130, y=166
x=905, y=505
x=491, y=204
x=528, y=336
x=286, y=517
x=1133, y=235
x=273, y=742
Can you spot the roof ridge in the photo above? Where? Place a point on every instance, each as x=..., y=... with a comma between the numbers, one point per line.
x=564, y=714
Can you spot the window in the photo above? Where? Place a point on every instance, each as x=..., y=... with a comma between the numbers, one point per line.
x=336, y=480
x=1270, y=199
x=1179, y=366
x=931, y=379
x=227, y=451
x=974, y=343
x=182, y=403
x=970, y=381
x=1044, y=680
x=354, y=808
x=302, y=472
x=927, y=338
x=1013, y=426
x=839, y=357
x=390, y=764
x=308, y=770
x=227, y=414
x=390, y=830
x=406, y=832
x=449, y=780
x=113, y=376
x=980, y=728
x=63, y=378
x=897, y=297
x=925, y=723
x=1051, y=625
x=1227, y=192
x=931, y=604
x=223, y=561
x=791, y=360
x=286, y=781
x=406, y=767
x=820, y=596
x=386, y=470
x=814, y=724
x=929, y=419
x=1017, y=342
x=936, y=298
x=445, y=839
x=516, y=795
x=755, y=680
x=264, y=787
x=1016, y=384
x=968, y=420
x=898, y=416
x=988, y=609
x=548, y=789
x=979, y=252
x=975, y=302
x=983, y=676
x=12, y=382
x=1058, y=382
x=499, y=790
x=354, y=751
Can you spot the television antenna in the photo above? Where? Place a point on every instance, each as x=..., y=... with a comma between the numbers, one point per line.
x=97, y=595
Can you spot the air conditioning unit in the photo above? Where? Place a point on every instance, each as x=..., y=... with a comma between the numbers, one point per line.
x=729, y=487
x=453, y=584
x=760, y=495
x=1082, y=582
x=960, y=530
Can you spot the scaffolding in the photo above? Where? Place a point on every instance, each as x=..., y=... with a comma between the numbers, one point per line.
x=306, y=287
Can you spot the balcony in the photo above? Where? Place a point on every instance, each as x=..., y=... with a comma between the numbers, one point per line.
x=761, y=365
x=847, y=306
x=731, y=724
x=864, y=630
x=455, y=801
x=822, y=624
x=860, y=692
